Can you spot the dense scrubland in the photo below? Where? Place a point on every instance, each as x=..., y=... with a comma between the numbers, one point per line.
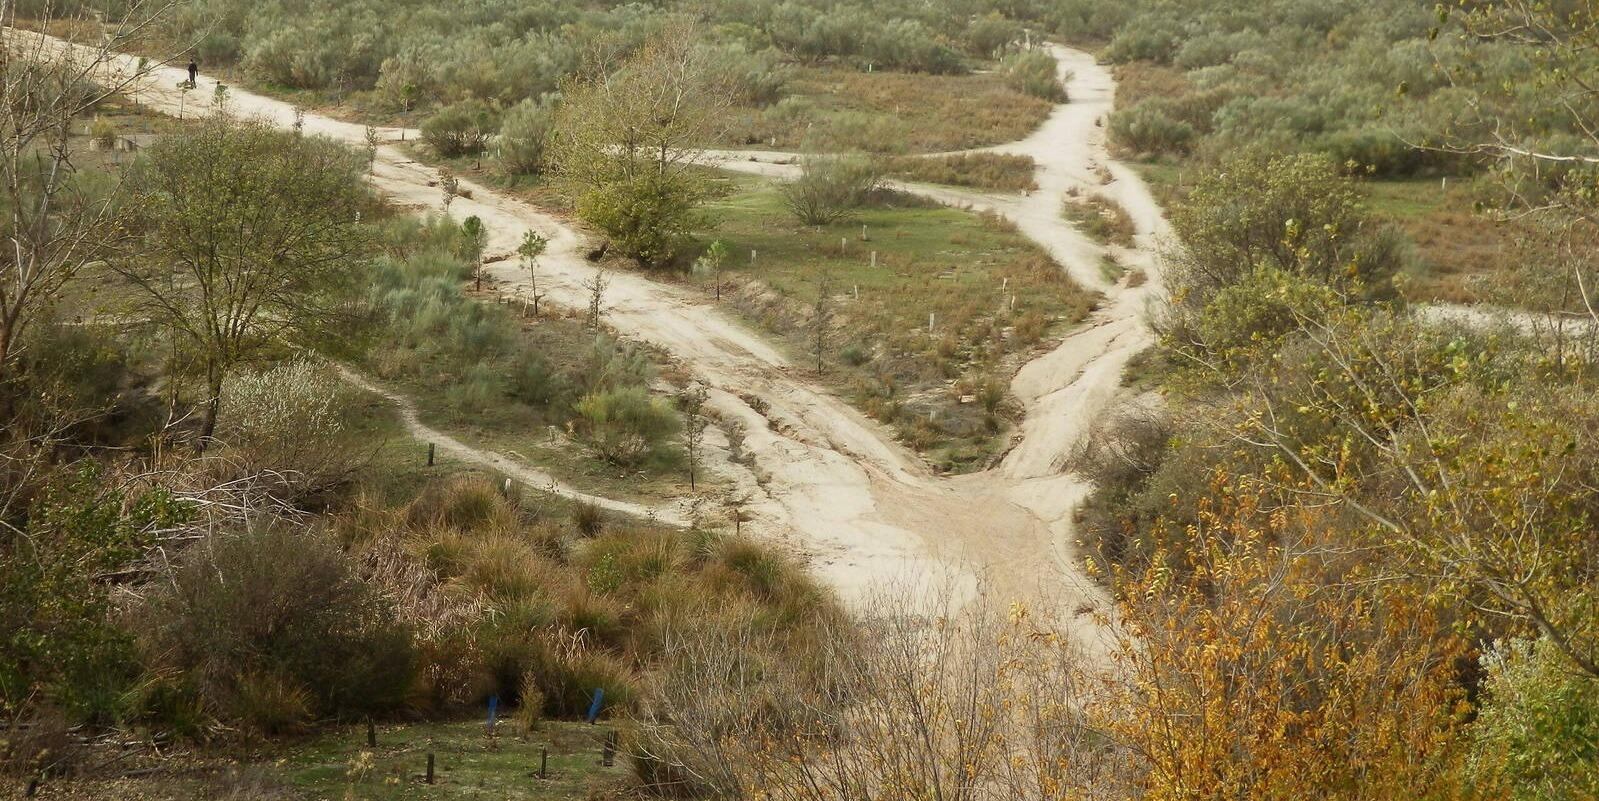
x=1349, y=540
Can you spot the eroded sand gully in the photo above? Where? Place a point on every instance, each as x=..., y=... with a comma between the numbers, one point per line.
x=818, y=474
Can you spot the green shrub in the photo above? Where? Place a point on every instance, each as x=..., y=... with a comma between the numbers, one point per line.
x=613, y=364
x=1536, y=737
x=626, y=426
x=462, y=128
x=1032, y=72
x=476, y=392
x=991, y=34
x=1376, y=152
x=757, y=78
x=1143, y=40
x=908, y=45
x=1298, y=213
x=525, y=136
x=535, y=382
x=648, y=217
x=59, y=653
x=284, y=604
x=1087, y=20
x=830, y=188
x=1150, y=127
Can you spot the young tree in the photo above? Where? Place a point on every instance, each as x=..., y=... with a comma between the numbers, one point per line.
x=692, y=404
x=449, y=187
x=533, y=245
x=475, y=237
x=628, y=139
x=250, y=233
x=822, y=316
x=710, y=263
x=596, y=286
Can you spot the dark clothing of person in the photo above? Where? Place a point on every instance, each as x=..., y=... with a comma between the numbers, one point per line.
x=194, y=71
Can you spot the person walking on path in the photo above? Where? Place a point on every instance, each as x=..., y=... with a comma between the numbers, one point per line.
x=194, y=72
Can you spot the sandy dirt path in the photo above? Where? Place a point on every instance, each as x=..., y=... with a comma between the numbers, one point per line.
x=816, y=473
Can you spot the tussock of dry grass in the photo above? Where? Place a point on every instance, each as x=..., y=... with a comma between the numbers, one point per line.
x=540, y=606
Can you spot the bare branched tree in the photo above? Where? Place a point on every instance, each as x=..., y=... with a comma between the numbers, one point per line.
x=53, y=224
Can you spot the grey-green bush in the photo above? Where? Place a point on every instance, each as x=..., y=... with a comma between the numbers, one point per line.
x=626, y=426
x=461, y=129
x=525, y=135
x=830, y=188
x=1150, y=128
x=1033, y=72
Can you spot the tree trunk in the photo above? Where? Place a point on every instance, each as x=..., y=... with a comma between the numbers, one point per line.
x=213, y=404
x=5, y=349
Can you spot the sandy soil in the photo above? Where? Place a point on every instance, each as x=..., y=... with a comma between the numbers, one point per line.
x=818, y=474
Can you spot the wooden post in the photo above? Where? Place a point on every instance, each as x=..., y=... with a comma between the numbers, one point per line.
x=371, y=734
x=752, y=257
x=608, y=756
x=430, y=454
x=931, y=316
x=430, y=768
x=544, y=762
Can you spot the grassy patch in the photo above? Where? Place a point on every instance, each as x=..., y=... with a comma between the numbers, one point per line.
x=1101, y=218
x=1457, y=249
x=338, y=764
x=467, y=762
x=495, y=376
x=541, y=436
x=978, y=170
x=992, y=296
x=835, y=108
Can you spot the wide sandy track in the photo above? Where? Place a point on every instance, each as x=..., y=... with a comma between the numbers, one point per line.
x=818, y=474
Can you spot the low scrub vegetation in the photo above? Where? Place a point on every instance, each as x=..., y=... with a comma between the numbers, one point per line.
x=1003, y=172
x=1101, y=218
x=830, y=109
x=505, y=378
